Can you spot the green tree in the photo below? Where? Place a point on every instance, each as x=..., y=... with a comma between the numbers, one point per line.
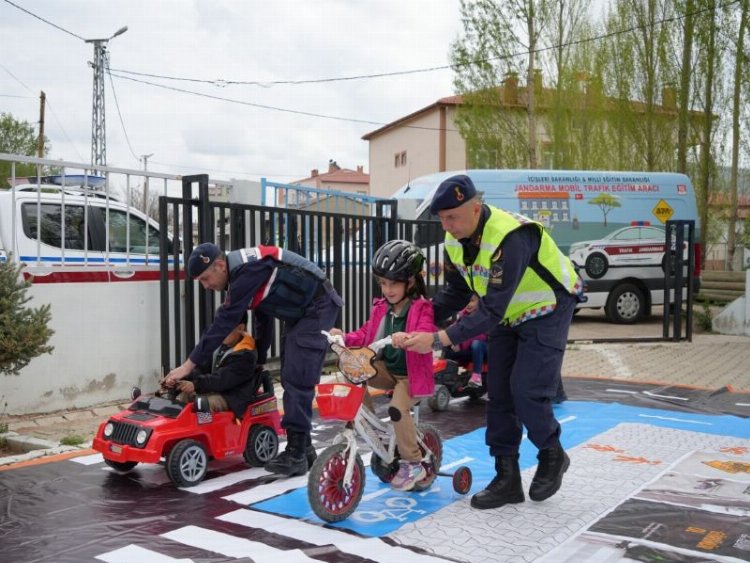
x=24, y=331
x=500, y=40
x=605, y=202
x=17, y=137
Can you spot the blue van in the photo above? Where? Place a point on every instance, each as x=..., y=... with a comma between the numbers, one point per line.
x=611, y=224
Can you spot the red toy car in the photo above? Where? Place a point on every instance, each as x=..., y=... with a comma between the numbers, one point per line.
x=155, y=428
x=452, y=380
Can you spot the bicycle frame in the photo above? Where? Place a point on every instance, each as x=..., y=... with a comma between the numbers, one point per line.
x=377, y=434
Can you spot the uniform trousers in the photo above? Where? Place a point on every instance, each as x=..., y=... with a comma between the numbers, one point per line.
x=524, y=372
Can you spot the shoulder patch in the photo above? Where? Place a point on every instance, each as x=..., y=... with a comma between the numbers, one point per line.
x=498, y=255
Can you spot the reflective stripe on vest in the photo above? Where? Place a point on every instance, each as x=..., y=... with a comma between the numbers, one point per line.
x=533, y=296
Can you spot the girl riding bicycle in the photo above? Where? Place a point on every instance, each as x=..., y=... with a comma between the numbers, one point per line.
x=397, y=266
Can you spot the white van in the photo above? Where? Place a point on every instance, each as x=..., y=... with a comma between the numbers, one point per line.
x=95, y=261
x=610, y=223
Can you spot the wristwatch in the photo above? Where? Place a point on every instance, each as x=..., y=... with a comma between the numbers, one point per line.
x=436, y=344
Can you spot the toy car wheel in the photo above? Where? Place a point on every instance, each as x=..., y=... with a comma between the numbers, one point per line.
x=440, y=398
x=121, y=466
x=187, y=463
x=431, y=439
x=262, y=445
x=596, y=265
x=329, y=498
x=382, y=470
x=462, y=479
x=626, y=304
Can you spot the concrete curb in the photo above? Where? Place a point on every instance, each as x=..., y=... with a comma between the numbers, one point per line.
x=30, y=448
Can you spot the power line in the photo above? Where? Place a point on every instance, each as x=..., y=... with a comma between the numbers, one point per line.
x=119, y=113
x=220, y=82
x=40, y=18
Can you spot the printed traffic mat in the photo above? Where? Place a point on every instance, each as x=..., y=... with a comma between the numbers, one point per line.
x=656, y=474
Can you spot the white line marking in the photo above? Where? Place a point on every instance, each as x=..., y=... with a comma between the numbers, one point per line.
x=211, y=485
x=625, y=391
x=370, y=548
x=92, y=459
x=232, y=546
x=131, y=553
x=650, y=394
x=675, y=419
x=270, y=490
x=742, y=404
x=457, y=462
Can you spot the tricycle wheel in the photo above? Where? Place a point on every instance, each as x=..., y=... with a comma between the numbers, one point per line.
x=121, y=466
x=382, y=470
x=329, y=498
x=440, y=398
x=187, y=463
x=262, y=445
x=462, y=480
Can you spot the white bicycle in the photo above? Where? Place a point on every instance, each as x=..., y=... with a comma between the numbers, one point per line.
x=337, y=478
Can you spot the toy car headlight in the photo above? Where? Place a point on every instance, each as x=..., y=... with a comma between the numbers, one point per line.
x=109, y=428
x=141, y=437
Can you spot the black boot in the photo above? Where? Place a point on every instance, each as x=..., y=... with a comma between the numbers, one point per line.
x=310, y=452
x=553, y=462
x=505, y=488
x=292, y=460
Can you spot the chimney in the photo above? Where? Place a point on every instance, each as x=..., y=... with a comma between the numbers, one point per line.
x=582, y=80
x=313, y=172
x=332, y=166
x=669, y=98
x=361, y=169
x=510, y=89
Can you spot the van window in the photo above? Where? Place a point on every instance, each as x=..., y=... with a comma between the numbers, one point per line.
x=118, y=235
x=52, y=221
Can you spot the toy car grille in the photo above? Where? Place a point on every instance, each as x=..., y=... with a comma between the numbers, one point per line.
x=124, y=433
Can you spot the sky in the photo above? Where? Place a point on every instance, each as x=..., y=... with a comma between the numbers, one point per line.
x=258, y=41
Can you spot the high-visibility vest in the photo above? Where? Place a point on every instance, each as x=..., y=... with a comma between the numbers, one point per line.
x=534, y=296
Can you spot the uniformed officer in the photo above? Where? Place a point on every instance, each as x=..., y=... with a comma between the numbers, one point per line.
x=274, y=283
x=528, y=291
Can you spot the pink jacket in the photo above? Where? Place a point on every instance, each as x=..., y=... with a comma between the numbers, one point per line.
x=466, y=344
x=419, y=319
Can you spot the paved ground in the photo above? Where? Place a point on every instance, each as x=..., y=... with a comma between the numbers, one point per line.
x=710, y=361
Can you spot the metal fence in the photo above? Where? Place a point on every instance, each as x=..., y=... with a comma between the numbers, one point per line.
x=341, y=244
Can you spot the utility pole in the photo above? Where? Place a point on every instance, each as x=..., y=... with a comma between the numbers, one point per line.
x=40, y=140
x=144, y=158
x=98, y=124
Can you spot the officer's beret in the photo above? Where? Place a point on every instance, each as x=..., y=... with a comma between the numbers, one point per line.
x=201, y=258
x=452, y=193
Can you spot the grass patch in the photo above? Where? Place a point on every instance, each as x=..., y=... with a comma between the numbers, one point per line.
x=703, y=317
x=73, y=440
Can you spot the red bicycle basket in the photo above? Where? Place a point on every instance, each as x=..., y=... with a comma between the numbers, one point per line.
x=339, y=401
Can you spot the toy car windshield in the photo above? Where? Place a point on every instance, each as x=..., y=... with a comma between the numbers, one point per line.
x=158, y=405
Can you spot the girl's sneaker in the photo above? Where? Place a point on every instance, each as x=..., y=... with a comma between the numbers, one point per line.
x=475, y=380
x=408, y=475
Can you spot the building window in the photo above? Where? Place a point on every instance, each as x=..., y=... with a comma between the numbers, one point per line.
x=399, y=159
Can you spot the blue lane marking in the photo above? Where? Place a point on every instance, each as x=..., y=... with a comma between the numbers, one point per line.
x=383, y=510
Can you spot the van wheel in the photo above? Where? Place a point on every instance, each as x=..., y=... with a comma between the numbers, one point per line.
x=626, y=304
x=596, y=265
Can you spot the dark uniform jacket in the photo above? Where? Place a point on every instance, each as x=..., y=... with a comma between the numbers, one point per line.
x=233, y=376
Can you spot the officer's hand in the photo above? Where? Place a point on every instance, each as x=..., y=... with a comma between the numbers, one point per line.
x=420, y=342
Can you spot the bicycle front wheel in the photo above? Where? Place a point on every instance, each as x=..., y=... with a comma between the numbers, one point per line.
x=330, y=498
